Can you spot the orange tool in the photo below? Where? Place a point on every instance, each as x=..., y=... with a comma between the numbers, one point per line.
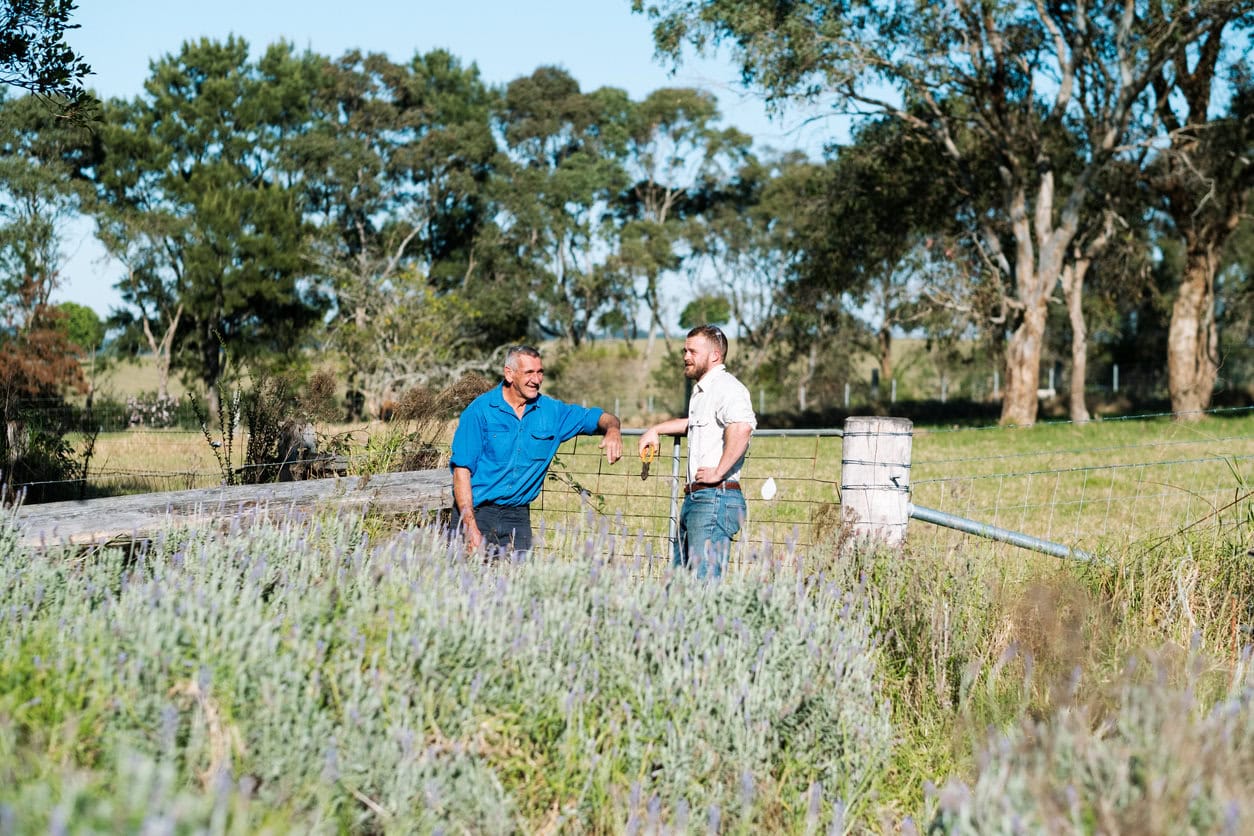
x=646, y=458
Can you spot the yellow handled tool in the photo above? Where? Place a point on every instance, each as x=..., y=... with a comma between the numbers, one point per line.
x=646, y=459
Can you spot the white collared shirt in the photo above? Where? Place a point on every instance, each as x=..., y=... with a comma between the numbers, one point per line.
x=718, y=399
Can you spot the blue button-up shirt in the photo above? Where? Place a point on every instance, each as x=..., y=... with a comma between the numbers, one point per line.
x=508, y=456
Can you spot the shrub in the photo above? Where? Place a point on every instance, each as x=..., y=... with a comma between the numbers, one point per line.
x=413, y=437
x=1166, y=758
x=335, y=683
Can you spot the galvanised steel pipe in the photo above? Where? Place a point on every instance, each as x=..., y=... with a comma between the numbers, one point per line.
x=993, y=532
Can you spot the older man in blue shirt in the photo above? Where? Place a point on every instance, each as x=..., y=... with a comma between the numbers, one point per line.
x=502, y=449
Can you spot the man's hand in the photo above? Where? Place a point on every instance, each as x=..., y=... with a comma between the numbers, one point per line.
x=612, y=444
x=474, y=537
x=708, y=475
x=463, y=499
x=650, y=439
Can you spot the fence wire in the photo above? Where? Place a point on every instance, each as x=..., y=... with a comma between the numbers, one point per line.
x=1059, y=486
x=1058, y=482
x=1099, y=498
x=804, y=466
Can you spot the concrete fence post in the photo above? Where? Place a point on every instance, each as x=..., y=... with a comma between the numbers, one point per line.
x=875, y=480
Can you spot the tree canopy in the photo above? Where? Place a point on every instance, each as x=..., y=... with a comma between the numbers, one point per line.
x=33, y=53
x=997, y=80
x=1047, y=183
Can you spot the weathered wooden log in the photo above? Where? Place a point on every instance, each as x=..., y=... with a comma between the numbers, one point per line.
x=139, y=517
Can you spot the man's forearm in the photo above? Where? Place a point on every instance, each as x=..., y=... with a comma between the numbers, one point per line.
x=673, y=426
x=462, y=496
x=735, y=444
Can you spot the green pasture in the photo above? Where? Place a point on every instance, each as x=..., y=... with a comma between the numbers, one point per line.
x=1098, y=486
x=333, y=675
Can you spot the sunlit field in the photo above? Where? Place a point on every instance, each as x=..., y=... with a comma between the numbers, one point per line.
x=1093, y=487
x=332, y=675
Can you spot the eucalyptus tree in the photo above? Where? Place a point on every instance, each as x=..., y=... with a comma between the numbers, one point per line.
x=43, y=160
x=675, y=150
x=1204, y=175
x=1234, y=294
x=747, y=244
x=887, y=236
x=193, y=198
x=1006, y=73
x=395, y=172
x=567, y=150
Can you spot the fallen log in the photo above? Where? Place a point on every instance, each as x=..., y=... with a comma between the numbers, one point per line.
x=139, y=517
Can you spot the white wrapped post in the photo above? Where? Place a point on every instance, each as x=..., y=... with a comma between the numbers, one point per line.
x=875, y=480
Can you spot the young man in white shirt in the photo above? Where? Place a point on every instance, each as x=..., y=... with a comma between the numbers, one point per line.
x=719, y=424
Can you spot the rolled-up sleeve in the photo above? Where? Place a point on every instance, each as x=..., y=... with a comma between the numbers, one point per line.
x=736, y=407
x=578, y=420
x=467, y=440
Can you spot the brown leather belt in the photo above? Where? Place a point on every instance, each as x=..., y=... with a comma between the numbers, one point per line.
x=705, y=486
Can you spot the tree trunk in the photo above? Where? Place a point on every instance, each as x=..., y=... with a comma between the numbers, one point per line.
x=645, y=368
x=1192, y=341
x=1073, y=286
x=1023, y=364
x=885, y=337
x=1040, y=246
x=807, y=376
x=162, y=353
x=211, y=372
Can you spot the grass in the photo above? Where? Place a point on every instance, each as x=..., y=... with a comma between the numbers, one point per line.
x=1097, y=487
x=1017, y=689
x=314, y=676
x=304, y=678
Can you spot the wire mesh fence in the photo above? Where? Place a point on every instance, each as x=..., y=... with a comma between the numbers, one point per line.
x=1152, y=480
x=1098, y=487
x=1094, y=487
x=804, y=466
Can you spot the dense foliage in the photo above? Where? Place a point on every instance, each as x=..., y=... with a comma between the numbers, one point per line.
x=33, y=52
x=1001, y=188
x=309, y=677
x=325, y=675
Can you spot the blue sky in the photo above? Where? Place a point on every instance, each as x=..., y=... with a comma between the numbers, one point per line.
x=600, y=42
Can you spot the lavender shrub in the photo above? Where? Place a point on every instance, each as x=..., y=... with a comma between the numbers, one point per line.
x=1158, y=752
x=303, y=677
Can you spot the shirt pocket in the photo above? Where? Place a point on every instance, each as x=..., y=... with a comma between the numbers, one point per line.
x=541, y=445
x=700, y=423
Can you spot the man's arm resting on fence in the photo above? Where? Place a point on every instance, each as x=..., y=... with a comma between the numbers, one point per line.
x=465, y=503
x=610, y=427
x=735, y=444
x=675, y=426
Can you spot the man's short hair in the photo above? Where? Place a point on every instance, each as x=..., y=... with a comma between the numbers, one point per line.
x=516, y=351
x=714, y=334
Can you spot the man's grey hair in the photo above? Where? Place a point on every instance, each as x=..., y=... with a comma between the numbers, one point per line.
x=516, y=351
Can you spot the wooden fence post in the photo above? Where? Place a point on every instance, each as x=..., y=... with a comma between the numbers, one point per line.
x=875, y=480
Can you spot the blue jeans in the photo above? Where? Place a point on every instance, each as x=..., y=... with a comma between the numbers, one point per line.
x=708, y=521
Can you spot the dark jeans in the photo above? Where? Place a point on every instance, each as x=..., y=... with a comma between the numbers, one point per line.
x=708, y=521
x=505, y=528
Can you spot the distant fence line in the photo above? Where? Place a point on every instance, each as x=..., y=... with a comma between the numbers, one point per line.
x=969, y=383
x=1093, y=498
